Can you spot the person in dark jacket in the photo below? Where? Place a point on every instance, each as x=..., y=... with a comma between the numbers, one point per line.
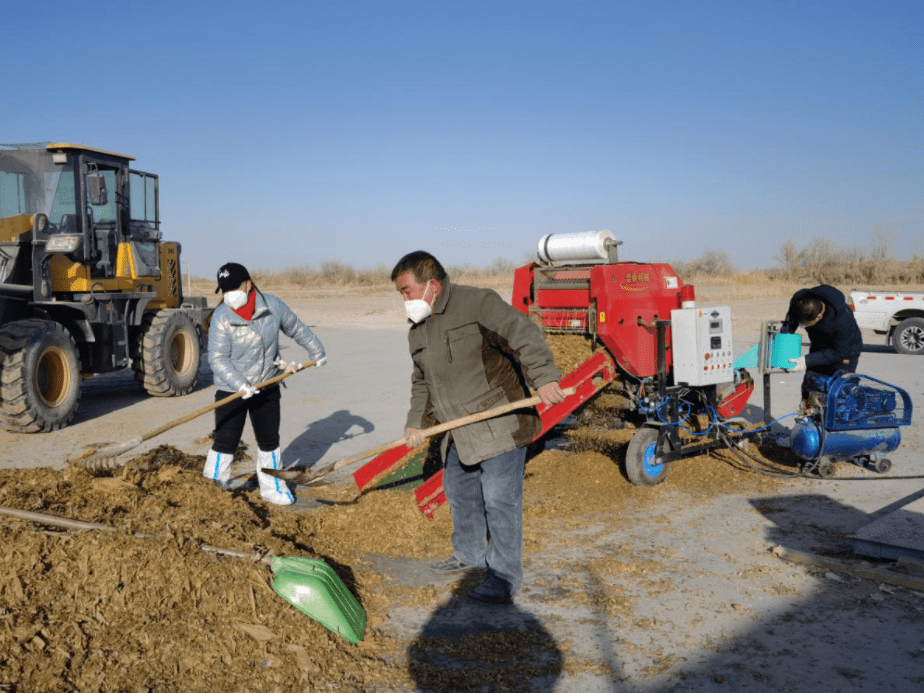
x=472, y=351
x=836, y=341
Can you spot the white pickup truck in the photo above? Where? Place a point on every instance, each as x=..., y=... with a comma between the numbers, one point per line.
x=899, y=315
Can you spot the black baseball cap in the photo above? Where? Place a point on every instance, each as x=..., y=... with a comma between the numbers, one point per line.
x=230, y=276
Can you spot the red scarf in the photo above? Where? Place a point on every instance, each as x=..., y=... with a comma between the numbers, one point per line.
x=246, y=310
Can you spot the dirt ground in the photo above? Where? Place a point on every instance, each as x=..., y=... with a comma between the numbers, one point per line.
x=670, y=588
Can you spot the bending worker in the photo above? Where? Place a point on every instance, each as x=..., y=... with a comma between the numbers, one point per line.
x=836, y=341
x=472, y=351
x=244, y=351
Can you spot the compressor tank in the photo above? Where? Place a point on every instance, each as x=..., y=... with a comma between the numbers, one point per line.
x=807, y=438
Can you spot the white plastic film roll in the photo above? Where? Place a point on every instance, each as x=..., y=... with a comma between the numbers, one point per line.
x=580, y=246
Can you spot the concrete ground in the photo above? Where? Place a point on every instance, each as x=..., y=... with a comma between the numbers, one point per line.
x=736, y=617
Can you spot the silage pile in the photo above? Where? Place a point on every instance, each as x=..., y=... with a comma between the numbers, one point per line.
x=114, y=611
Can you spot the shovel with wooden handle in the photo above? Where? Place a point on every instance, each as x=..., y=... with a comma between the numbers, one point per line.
x=106, y=458
x=308, y=476
x=309, y=584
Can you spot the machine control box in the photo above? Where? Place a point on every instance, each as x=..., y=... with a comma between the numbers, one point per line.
x=701, y=341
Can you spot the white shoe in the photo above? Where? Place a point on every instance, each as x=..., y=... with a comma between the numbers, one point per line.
x=272, y=489
x=218, y=467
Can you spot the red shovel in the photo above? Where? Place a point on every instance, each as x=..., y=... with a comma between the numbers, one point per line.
x=308, y=476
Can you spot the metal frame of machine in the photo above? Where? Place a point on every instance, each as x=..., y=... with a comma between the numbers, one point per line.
x=673, y=361
x=627, y=307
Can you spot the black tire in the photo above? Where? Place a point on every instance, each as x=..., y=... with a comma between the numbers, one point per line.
x=642, y=465
x=882, y=466
x=166, y=354
x=908, y=336
x=40, y=370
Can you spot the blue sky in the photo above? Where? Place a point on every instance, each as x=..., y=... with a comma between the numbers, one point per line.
x=289, y=133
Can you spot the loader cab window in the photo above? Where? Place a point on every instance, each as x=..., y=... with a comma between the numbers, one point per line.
x=106, y=213
x=50, y=193
x=64, y=202
x=143, y=213
x=12, y=194
x=143, y=225
x=103, y=218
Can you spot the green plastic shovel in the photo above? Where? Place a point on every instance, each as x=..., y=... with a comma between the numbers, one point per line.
x=312, y=586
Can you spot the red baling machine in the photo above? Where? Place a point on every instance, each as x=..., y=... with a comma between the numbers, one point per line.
x=670, y=359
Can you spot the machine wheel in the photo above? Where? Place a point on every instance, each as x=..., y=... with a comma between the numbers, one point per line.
x=908, y=337
x=826, y=469
x=642, y=466
x=882, y=466
x=41, y=376
x=166, y=354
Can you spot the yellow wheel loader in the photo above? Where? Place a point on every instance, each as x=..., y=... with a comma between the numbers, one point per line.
x=87, y=286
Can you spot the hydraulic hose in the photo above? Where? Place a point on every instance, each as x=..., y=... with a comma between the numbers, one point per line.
x=752, y=463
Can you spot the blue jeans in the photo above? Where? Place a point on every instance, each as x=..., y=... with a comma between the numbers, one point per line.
x=487, y=499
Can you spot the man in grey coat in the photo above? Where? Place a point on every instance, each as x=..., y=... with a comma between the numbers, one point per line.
x=472, y=351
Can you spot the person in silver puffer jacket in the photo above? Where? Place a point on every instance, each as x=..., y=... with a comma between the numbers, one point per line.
x=244, y=351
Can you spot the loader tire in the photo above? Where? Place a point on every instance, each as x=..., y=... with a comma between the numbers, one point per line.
x=40, y=370
x=908, y=337
x=166, y=354
x=642, y=465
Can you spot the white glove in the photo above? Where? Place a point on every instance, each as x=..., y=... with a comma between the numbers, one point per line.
x=321, y=361
x=248, y=391
x=797, y=364
x=287, y=366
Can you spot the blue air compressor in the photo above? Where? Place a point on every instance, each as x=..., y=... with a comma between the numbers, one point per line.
x=849, y=417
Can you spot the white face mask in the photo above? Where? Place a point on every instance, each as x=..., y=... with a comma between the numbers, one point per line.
x=235, y=299
x=418, y=309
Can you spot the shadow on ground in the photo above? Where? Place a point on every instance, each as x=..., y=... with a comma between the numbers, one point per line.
x=844, y=634
x=471, y=646
x=110, y=392
x=306, y=449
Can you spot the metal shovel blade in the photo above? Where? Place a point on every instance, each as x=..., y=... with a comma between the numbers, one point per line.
x=106, y=457
x=313, y=587
x=298, y=475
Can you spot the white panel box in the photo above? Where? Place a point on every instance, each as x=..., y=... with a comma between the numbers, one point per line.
x=701, y=341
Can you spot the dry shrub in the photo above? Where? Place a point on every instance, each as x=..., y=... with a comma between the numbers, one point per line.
x=466, y=273
x=820, y=261
x=334, y=273
x=713, y=264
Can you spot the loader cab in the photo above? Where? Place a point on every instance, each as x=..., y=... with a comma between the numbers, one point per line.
x=103, y=220
x=113, y=209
